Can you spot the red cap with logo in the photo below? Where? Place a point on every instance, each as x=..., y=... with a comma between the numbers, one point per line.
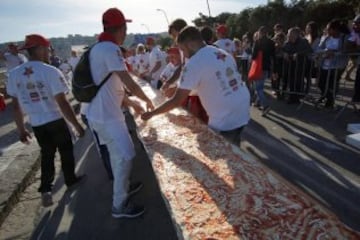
x=221, y=29
x=35, y=40
x=113, y=17
x=173, y=50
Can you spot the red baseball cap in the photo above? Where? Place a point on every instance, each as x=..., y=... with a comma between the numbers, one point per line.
x=34, y=40
x=150, y=40
x=113, y=17
x=221, y=29
x=173, y=50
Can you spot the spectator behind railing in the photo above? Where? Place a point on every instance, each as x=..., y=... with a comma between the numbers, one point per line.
x=267, y=47
x=277, y=76
x=333, y=61
x=246, y=51
x=296, y=52
x=354, y=46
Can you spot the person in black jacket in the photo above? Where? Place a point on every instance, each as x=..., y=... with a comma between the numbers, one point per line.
x=267, y=47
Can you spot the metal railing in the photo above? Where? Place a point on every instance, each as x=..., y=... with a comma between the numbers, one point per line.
x=312, y=78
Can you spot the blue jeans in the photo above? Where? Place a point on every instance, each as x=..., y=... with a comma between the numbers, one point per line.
x=259, y=88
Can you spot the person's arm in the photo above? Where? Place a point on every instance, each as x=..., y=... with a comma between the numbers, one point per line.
x=24, y=134
x=175, y=101
x=156, y=67
x=134, y=88
x=68, y=113
x=135, y=105
x=173, y=79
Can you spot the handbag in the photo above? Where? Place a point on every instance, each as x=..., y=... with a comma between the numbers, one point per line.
x=256, y=71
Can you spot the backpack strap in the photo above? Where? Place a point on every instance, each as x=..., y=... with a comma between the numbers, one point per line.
x=104, y=81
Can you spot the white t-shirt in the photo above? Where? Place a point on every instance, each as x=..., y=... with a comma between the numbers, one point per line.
x=168, y=72
x=156, y=55
x=331, y=44
x=355, y=37
x=227, y=45
x=66, y=70
x=83, y=108
x=14, y=60
x=142, y=63
x=213, y=74
x=73, y=61
x=131, y=60
x=106, y=57
x=35, y=84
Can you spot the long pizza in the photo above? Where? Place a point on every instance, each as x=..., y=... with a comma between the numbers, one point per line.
x=214, y=191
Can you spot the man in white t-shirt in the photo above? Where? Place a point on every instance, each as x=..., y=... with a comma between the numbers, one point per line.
x=105, y=115
x=38, y=90
x=224, y=42
x=65, y=68
x=12, y=58
x=73, y=60
x=213, y=74
x=174, y=57
x=156, y=60
x=142, y=66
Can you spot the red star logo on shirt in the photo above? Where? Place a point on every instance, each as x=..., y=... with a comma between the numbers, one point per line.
x=28, y=71
x=220, y=56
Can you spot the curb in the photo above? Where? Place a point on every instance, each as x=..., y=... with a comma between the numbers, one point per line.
x=14, y=196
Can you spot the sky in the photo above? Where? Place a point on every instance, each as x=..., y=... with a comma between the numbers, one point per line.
x=58, y=18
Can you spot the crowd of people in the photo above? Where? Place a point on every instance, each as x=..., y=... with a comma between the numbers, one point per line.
x=204, y=71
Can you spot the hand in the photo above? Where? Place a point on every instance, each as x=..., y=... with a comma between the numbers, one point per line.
x=286, y=56
x=275, y=76
x=165, y=86
x=149, y=106
x=137, y=107
x=80, y=132
x=25, y=137
x=146, y=116
x=169, y=92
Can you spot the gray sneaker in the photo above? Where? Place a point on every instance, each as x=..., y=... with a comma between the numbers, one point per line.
x=129, y=210
x=46, y=199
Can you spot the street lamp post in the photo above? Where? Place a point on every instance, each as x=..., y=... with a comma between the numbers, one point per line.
x=163, y=11
x=146, y=26
x=207, y=1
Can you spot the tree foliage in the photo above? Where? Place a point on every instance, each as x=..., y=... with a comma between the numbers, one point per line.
x=295, y=13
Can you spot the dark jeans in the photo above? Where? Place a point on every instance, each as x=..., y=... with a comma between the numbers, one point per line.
x=233, y=136
x=329, y=83
x=52, y=136
x=104, y=153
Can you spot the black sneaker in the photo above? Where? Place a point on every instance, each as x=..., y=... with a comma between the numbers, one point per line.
x=128, y=211
x=77, y=182
x=134, y=188
x=46, y=199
